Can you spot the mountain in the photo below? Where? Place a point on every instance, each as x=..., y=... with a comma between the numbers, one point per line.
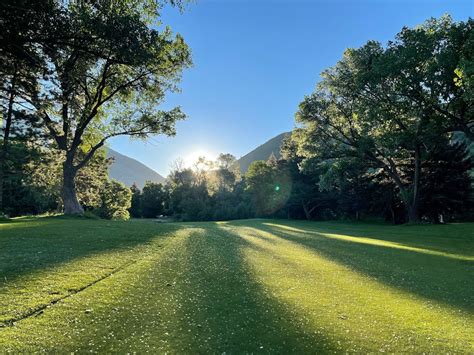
x=262, y=152
x=129, y=171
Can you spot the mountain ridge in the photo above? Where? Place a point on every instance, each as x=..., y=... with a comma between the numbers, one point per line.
x=129, y=171
x=262, y=152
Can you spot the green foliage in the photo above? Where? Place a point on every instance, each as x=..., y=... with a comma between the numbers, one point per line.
x=389, y=107
x=226, y=172
x=102, y=69
x=135, y=204
x=23, y=193
x=377, y=138
x=447, y=189
x=269, y=186
x=152, y=201
x=115, y=201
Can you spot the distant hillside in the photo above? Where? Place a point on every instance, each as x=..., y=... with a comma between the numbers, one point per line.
x=129, y=171
x=262, y=152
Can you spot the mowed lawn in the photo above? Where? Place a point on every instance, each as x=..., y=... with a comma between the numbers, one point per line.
x=248, y=286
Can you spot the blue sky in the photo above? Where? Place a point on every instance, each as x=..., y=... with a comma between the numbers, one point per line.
x=254, y=60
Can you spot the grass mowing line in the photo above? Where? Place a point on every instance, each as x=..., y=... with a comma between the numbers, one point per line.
x=58, y=256
x=139, y=301
x=40, y=309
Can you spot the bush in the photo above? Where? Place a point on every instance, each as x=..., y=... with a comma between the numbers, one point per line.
x=121, y=215
x=116, y=200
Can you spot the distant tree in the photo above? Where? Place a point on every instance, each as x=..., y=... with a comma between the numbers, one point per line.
x=227, y=172
x=180, y=176
x=152, y=200
x=208, y=191
x=270, y=188
x=135, y=207
x=116, y=200
x=196, y=204
x=105, y=69
x=201, y=169
x=272, y=160
x=244, y=207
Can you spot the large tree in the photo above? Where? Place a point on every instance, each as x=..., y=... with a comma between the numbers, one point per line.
x=391, y=105
x=107, y=67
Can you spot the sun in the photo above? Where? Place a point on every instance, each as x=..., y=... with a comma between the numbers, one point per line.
x=190, y=159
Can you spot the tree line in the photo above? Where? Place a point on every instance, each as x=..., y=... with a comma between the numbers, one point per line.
x=385, y=134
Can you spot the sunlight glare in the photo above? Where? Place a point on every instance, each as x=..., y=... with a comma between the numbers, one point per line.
x=194, y=155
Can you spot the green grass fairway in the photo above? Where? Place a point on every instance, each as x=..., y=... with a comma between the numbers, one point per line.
x=249, y=286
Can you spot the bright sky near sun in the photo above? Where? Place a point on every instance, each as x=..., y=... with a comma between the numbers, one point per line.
x=254, y=60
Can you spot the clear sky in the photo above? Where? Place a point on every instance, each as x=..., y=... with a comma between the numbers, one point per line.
x=254, y=60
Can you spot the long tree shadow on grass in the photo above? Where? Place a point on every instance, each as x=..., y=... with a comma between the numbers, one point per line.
x=47, y=242
x=434, y=277
x=232, y=312
x=450, y=238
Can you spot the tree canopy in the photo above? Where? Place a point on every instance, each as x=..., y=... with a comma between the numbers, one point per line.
x=392, y=106
x=104, y=71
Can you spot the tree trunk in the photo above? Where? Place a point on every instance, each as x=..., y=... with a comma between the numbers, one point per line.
x=392, y=214
x=410, y=196
x=307, y=211
x=413, y=215
x=413, y=207
x=68, y=191
x=1, y=182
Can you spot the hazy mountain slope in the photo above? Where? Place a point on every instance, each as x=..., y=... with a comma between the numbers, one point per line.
x=262, y=152
x=129, y=171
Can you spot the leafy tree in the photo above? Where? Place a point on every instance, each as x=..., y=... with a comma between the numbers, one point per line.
x=32, y=181
x=21, y=194
x=209, y=191
x=227, y=172
x=269, y=187
x=20, y=66
x=306, y=200
x=115, y=201
x=389, y=106
x=201, y=170
x=135, y=207
x=196, y=204
x=103, y=75
x=46, y=173
x=152, y=200
x=180, y=176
